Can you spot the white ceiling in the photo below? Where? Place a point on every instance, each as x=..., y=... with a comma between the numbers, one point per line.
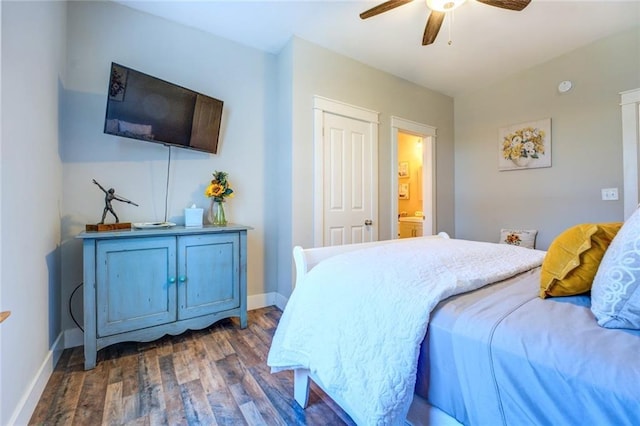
x=488, y=43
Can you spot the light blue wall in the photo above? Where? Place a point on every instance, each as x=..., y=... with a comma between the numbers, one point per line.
x=281, y=206
x=586, y=144
x=244, y=78
x=33, y=52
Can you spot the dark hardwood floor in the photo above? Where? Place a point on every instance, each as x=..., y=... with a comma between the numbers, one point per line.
x=213, y=376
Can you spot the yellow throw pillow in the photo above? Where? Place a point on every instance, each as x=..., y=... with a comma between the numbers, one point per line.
x=573, y=258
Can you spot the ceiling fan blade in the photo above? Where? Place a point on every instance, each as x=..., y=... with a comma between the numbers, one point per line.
x=433, y=26
x=517, y=5
x=383, y=7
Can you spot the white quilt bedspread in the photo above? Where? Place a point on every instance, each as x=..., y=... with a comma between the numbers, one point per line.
x=357, y=319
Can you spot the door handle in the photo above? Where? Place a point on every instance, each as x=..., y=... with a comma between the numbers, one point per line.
x=368, y=222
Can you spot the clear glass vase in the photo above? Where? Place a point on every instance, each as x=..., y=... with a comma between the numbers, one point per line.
x=216, y=213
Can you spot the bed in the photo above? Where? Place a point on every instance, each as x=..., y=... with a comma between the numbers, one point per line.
x=480, y=346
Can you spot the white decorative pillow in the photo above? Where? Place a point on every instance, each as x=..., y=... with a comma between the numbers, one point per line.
x=615, y=294
x=519, y=237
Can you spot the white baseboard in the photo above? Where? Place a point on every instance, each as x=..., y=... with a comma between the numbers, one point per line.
x=266, y=299
x=258, y=301
x=29, y=400
x=73, y=337
x=281, y=301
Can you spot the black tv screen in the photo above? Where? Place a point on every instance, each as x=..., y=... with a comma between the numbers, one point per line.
x=147, y=108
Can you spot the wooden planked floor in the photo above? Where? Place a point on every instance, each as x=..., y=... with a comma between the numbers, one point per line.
x=215, y=376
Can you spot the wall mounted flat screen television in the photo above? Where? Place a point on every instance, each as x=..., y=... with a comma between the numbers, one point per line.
x=147, y=108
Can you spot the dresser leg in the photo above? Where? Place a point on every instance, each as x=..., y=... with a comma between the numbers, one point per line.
x=243, y=319
x=89, y=359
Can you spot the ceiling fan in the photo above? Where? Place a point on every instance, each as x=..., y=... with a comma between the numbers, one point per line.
x=439, y=8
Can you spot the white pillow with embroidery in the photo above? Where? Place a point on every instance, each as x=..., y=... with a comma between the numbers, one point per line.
x=519, y=237
x=615, y=294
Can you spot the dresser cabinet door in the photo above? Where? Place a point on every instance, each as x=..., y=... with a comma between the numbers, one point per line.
x=135, y=283
x=208, y=274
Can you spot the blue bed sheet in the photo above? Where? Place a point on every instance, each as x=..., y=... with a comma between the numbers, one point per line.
x=501, y=355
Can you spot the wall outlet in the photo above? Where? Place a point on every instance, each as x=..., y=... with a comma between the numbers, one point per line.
x=610, y=194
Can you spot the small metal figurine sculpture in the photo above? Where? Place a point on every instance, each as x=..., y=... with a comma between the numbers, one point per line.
x=109, y=196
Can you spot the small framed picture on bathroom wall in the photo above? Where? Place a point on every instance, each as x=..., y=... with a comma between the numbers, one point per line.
x=403, y=169
x=403, y=191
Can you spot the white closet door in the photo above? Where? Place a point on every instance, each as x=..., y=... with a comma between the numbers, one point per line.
x=348, y=198
x=345, y=173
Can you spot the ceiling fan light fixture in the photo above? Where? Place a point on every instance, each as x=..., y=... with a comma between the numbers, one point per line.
x=438, y=11
x=443, y=5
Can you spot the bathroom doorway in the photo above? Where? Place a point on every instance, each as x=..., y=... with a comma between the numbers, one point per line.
x=413, y=168
x=410, y=210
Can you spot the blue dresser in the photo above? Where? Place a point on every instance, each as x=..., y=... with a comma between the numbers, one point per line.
x=142, y=284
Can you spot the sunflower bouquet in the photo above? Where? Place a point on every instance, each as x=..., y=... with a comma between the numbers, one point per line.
x=219, y=188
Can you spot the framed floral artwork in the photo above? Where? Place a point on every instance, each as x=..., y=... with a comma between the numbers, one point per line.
x=403, y=191
x=525, y=145
x=403, y=169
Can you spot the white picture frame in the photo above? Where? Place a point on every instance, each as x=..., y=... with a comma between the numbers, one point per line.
x=403, y=191
x=403, y=169
x=525, y=145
